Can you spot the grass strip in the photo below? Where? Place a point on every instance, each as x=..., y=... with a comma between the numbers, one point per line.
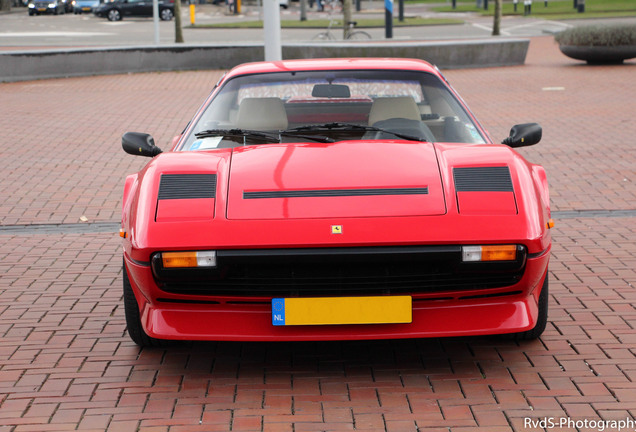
x=324, y=23
x=552, y=9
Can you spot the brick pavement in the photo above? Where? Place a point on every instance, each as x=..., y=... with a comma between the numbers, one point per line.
x=67, y=364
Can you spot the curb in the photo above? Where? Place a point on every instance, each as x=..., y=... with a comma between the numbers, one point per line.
x=43, y=64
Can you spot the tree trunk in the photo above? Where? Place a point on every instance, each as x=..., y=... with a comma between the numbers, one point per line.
x=496, y=26
x=5, y=5
x=178, y=31
x=346, y=18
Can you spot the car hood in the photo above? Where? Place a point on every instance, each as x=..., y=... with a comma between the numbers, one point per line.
x=298, y=195
x=344, y=179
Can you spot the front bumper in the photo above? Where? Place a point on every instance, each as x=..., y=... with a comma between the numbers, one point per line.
x=485, y=311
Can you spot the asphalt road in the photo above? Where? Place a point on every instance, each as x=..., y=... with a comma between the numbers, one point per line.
x=18, y=30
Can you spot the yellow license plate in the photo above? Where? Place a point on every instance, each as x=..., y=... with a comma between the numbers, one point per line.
x=341, y=310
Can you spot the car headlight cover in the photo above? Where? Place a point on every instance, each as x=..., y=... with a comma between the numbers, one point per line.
x=189, y=259
x=489, y=253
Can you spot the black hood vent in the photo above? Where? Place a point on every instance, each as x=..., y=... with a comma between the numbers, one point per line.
x=316, y=193
x=483, y=179
x=187, y=186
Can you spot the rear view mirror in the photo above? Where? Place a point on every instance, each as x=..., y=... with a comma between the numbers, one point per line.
x=331, y=91
x=522, y=135
x=139, y=144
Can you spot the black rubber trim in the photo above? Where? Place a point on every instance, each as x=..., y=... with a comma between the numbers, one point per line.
x=316, y=193
x=139, y=263
x=537, y=254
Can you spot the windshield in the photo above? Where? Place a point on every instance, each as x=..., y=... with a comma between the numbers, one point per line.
x=332, y=106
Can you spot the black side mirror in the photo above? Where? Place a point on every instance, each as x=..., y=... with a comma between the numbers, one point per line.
x=139, y=144
x=522, y=135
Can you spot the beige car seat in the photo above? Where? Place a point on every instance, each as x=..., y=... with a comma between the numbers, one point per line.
x=262, y=114
x=385, y=108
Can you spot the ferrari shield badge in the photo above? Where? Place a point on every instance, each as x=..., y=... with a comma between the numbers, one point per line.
x=336, y=229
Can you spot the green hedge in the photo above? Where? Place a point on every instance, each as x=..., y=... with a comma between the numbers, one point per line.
x=598, y=35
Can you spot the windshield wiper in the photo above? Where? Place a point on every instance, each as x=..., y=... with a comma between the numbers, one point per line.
x=245, y=133
x=319, y=138
x=354, y=126
x=268, y=137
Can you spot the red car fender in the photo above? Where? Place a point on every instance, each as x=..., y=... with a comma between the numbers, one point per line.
x=129, y=185
x=541, y=180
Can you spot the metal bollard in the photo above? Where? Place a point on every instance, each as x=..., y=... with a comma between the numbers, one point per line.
x=581, y=6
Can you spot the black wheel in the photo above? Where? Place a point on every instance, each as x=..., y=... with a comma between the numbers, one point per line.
x=324, y=36
x=133, y=319
x=114, y=15
x=542, y=319
x=166, y=14
x=359, y=35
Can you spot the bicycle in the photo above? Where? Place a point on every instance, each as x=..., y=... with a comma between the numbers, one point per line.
x=356, y=34
x=351, y=34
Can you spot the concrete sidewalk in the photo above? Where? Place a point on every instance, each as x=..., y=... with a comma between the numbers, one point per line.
x=67, y=364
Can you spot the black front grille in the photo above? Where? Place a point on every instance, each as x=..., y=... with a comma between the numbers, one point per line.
x=340, y=271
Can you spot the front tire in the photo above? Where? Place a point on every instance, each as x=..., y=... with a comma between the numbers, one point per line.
x=324, y=36
x=359, y=35
x=133, y=319
x=166, y=15
x=542, y=319
x=114, y=15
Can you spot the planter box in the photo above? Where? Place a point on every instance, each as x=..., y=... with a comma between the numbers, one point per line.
x=599, y=54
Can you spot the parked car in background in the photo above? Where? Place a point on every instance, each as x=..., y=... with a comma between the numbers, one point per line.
x=84, y=6
x=117, y=9
x=55, y=7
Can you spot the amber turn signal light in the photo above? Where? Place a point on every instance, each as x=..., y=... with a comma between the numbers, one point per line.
x=188, y=259
x=489, y=253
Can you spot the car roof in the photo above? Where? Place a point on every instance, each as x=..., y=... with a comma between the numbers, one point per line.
x=333, y=64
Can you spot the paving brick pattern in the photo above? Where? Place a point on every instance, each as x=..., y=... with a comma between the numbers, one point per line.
x=67, y=364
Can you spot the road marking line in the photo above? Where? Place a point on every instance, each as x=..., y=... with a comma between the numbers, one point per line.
x=489, y=29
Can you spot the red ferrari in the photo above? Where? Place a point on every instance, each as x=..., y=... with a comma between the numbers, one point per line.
x=335, y=199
